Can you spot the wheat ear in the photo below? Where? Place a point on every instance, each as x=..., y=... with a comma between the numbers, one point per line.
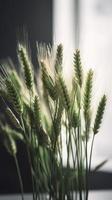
x=13, y=96
x=64, y=95
x=59, y=58
x=37, y=114
x=26, y=64
x=99, y=115
x=87, y=92
x=48, y=82
x=78, y=67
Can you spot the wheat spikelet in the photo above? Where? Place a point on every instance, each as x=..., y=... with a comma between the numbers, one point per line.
x=99, y=114
x=48, y=81
x=16, y=80
x=13, y=96
x=74, y=85
x=25, y=62
x=74, y=119
x=43, y=137
x=37, y=115
x=64, y=95
x=78, y=67
x=87, y=131
x=59, y=58
x=87, y=92
x=57, y=120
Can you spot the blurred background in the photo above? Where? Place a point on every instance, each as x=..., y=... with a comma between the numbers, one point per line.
x=36, y=16
x=82, y=24
x=87, y=25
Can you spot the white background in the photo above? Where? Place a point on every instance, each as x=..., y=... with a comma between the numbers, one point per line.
x=95, y=44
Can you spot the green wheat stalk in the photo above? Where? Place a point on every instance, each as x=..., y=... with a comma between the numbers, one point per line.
x=25, y=119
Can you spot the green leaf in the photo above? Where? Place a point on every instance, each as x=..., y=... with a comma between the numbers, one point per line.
x=100, y=165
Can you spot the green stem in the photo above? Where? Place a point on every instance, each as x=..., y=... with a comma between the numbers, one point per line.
x=91, y=151
x=86, y=154
x=89, y=168
x=29, y=158
x=19, y=176
x=30, y=164
x=74, y=158
x=86, y=172
x=75, y=142
x=79, y=167
x=79, y=153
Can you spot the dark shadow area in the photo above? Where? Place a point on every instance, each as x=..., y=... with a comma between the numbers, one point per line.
x=100, y=180
x=36, y=16
x=9, y=183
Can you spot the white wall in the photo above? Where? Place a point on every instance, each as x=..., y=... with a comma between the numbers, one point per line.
x=63, y=30
x=96, y=49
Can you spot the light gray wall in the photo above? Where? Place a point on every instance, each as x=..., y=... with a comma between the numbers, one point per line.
x=95, y=43
x=96, y=49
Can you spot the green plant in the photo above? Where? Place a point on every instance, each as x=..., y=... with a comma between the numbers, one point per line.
x=51, y=120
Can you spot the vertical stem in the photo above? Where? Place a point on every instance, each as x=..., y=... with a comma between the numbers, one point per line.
x=78, y=150
x=86, y=171
x=19, y=176
x=30, y=164
x=91, y=151
x=77, y=183
x=86, y=154
x=89, y=168
x=78, y=165
x=78, y=162
x=68, y=144
x=29, y=158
